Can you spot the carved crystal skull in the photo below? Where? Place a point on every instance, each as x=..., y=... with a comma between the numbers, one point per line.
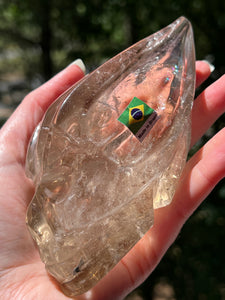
x=97, y=184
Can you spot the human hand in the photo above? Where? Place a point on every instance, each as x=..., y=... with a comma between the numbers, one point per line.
x=23, y=275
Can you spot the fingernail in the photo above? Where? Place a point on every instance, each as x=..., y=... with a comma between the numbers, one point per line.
x=80, y=64
x=211, y=66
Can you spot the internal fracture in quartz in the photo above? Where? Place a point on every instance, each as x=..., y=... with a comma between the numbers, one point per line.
x=96, y=183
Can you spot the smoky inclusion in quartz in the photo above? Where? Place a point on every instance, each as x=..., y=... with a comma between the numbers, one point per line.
x=107, y=153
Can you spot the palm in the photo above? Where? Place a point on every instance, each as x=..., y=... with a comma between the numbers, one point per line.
x=23, y=274
x=19, y=255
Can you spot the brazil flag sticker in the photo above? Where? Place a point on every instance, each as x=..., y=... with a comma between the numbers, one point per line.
x=139, y=118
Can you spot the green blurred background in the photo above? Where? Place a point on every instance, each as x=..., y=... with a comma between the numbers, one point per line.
x=39, y=38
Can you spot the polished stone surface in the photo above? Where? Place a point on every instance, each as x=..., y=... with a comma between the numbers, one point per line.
x=96, y=183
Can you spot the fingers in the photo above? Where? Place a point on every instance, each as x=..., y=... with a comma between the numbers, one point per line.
x=202, y=72
x=202, y=172
x=18, y=129
x=208, y=107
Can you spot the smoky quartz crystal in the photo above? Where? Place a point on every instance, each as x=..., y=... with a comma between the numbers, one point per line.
x=99, y=176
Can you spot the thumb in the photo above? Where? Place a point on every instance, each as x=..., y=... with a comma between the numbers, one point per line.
x=16, y=132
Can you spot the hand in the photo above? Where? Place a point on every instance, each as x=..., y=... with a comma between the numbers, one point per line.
x=22, y=274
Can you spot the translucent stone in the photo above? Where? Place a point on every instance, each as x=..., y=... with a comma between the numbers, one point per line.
x=96, y=183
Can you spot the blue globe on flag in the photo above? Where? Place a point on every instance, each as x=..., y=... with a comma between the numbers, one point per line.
x=136, y=113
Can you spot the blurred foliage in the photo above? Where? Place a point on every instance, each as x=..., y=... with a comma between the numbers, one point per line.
x=57, y=32
x=38, y=38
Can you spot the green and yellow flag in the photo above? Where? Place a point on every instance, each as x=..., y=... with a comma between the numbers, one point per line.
x=139, y=118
